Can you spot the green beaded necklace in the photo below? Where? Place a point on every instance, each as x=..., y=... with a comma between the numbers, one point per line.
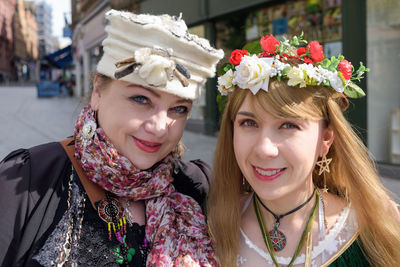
x=267, y=238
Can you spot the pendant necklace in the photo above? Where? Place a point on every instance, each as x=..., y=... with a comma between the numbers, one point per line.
x=278, y=238
x=111, y=211
x=305, y=237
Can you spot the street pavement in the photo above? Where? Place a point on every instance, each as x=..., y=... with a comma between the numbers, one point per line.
x=26, y=120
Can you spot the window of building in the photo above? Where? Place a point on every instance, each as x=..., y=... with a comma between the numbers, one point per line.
x=383, y=46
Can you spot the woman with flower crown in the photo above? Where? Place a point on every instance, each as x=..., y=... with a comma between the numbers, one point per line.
x=294, y=185
x=117, y=193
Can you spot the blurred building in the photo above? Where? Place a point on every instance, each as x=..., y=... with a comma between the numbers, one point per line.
x=44, y=23
x=367, y=31
x=25, y=41
x=7, y=68
x=88, y=25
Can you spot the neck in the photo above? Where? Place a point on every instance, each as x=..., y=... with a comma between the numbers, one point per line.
x=288, y=203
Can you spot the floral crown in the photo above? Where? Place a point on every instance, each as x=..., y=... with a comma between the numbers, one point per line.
x=252, y=67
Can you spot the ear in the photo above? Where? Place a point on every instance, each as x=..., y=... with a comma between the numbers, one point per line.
x=327, y=139
x=96, y=94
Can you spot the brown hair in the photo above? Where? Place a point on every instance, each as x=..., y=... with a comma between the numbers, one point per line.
x=353, y=175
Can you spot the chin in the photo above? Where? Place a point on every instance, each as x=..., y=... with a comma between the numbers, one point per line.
x=145, y=163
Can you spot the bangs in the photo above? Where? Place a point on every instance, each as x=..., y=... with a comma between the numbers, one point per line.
x=283, y=101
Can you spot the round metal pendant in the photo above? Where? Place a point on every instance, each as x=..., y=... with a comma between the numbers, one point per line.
x=278, y=239
x=109, y=209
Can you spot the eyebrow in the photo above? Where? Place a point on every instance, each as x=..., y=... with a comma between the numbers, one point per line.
x=184, y=101
x=153, y=92
x=147, y=89
x=246, y=113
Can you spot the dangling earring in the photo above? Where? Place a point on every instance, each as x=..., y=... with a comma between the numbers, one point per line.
x=88, y=129
x=324, y=166
x=245, y=185
x=176, y=158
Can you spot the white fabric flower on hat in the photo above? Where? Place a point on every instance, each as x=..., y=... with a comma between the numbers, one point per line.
x=142, y=55
x=154, y=69
x=225, y=85
x=253, y=73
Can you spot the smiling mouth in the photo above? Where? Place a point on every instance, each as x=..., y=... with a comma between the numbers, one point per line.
x=269, y=172
x=147, y=146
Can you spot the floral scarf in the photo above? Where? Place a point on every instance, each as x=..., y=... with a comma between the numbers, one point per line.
x=175, y=226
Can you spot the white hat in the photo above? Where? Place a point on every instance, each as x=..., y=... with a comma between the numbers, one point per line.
x=157, y=52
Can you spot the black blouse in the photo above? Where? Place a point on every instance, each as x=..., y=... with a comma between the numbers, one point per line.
x=34, y=187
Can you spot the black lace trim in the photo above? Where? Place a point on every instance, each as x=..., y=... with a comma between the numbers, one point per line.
x=90, y=245
x=94, y=245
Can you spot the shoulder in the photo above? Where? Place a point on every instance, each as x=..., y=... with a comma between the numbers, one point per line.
x=29, y=169
x=28, y=178
x=193, y=179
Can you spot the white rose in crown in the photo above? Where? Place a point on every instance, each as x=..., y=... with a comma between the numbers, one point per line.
x=155, y=70
x=253, y=73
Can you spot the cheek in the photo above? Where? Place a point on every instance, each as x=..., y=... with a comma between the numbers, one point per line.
x=116, y=125
x=240, y=147
x=176, y=129
x=302, y=152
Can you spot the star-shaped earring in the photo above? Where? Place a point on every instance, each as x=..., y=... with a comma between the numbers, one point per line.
x=323, y=164
x=325, y=189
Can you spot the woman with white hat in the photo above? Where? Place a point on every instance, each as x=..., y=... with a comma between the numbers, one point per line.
x=117, y=193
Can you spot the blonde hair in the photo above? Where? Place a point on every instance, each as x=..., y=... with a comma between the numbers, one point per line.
x=353, y=175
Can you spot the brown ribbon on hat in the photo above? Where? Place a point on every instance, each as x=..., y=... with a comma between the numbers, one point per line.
x=129, y=64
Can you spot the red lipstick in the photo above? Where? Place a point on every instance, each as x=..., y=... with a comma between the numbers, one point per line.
x=268, y=174
x=147, y=146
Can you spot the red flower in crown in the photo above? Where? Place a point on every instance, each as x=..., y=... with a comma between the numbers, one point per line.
x=269, y=44
x=302, y=53
x=236, y=56
x=346, y=69
x=316, y=51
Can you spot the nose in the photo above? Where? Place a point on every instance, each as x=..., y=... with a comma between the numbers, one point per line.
x=158, y=124
x=266, y=147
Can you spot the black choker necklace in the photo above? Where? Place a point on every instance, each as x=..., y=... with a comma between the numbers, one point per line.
x=277, y=237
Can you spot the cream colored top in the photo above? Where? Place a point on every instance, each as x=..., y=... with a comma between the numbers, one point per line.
x=329, y=245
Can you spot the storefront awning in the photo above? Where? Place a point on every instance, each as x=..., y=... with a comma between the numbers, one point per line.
x=61, y=58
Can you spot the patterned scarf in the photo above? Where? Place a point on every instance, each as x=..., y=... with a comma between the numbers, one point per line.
x=175, y=226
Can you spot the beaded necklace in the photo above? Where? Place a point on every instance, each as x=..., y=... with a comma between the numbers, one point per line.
x=111, y=211
x=267, y=239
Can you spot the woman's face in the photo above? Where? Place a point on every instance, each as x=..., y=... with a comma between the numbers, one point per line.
x=144, y=125
x=277, y=156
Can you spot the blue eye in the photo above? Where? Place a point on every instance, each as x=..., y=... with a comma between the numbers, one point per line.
x=248, y=123
x=289, y=125
x=140, y=99
x=181, y=110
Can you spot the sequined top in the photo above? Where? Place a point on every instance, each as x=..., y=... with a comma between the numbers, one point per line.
x=36, y=226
